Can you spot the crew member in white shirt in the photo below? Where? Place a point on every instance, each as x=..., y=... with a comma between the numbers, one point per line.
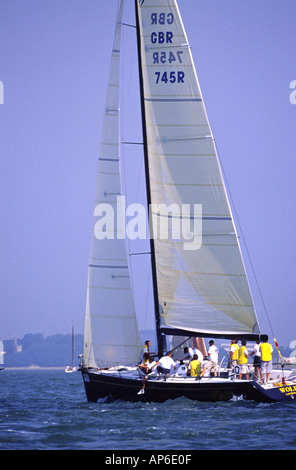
x=165, y=364
x=212, y=364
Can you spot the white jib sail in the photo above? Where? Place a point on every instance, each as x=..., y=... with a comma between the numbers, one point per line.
x=202, y=283
x=111, y=334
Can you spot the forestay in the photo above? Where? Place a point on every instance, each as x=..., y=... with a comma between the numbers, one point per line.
x=202, y=283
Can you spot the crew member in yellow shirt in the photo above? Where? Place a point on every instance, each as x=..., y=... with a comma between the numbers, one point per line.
x=194, y=368
x=266, y=357
x=243, y=360
x=234, y=347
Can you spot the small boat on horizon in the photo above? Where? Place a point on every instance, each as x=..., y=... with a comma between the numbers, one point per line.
x=72, y=368
x=2, y=352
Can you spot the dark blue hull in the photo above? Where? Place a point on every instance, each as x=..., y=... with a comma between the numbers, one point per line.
x=114, y=387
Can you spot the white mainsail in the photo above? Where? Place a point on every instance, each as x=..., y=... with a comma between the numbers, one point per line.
x=111, y=333
x=201, y=289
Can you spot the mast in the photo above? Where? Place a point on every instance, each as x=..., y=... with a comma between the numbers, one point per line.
x=160, y=338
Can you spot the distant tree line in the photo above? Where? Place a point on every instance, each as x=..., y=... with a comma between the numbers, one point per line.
x=55, y=351
x=35, y=349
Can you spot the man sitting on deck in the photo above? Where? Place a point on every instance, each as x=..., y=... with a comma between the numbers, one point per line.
x=166, y=363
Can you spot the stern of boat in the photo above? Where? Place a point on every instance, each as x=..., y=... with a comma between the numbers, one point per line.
x=274, y=392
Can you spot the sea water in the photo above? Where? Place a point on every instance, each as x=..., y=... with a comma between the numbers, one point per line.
x=48, y=410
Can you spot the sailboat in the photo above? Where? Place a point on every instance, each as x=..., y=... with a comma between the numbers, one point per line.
x=2, y=352
x=200, y=286
x=72, y=368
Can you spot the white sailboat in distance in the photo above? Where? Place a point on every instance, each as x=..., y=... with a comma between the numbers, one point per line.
x=72, y=368
x=2, y=352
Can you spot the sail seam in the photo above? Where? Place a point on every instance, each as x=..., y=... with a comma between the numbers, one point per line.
x=113, y=316
x=146, y=7
x=192, y=217
x=209, y=303
x=179, y=125
x=108, y=288
x=103, y=201
x=159, y=154
x=188, y=184
x=204, y=273
x=158, y=66
x=104, y=260
x=173, y=100
x=109, y=159
x=110, y=143
x=180, y=241
x=164, y=46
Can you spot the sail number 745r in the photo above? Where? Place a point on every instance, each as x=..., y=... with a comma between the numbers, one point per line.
x=169, y=77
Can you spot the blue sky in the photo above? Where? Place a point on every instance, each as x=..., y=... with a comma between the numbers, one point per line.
x=54, y=58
